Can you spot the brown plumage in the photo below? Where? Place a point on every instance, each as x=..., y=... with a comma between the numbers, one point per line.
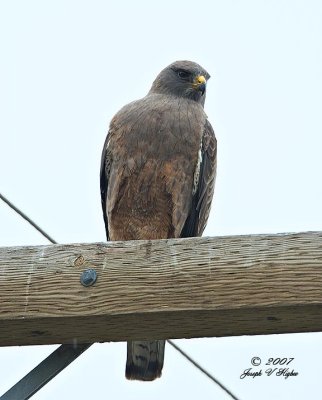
x=157, y=176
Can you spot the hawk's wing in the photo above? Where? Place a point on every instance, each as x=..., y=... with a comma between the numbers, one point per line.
x=104, y=178
x=201, y=201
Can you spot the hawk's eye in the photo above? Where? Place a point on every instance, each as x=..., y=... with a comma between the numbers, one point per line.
x=183, y=74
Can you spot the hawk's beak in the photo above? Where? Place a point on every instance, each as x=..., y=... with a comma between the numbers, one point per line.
x=200, y=84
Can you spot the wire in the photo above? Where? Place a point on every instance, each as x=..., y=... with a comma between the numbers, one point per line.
x=24, y=216
x=202, y=369
x=176, y=347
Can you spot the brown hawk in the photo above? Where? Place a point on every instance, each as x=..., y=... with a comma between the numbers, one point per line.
x=158, y=173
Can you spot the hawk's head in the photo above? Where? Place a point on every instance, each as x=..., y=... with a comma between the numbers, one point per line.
x=183, y=79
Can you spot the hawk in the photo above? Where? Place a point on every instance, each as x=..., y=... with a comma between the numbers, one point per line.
x=157, y=178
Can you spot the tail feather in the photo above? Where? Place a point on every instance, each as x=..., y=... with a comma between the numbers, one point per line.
x=144, y=360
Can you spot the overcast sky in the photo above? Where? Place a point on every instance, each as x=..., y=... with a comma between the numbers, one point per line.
x=68, y=65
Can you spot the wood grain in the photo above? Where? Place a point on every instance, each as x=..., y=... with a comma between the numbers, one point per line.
x=196, y=287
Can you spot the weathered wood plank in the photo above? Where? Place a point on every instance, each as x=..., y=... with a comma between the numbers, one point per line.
x=255, y=284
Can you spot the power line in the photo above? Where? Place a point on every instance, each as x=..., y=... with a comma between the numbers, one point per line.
x=202, y=369
x=24, y=216
x=176, y=347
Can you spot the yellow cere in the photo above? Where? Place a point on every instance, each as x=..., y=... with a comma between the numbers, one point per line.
x=201, y=79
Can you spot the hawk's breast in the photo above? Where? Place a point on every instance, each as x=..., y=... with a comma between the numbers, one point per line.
x=155, y=147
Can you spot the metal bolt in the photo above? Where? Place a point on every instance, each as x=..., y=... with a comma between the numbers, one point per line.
x=88, y=277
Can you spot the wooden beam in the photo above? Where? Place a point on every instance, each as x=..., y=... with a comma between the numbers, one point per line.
x=196, y=287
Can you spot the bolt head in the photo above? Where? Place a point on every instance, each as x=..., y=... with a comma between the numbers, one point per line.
x=88, y=277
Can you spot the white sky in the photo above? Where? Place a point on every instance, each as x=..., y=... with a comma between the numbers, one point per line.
x=66, y=68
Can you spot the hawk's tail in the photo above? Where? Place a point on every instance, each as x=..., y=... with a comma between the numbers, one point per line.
x=144, y=360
